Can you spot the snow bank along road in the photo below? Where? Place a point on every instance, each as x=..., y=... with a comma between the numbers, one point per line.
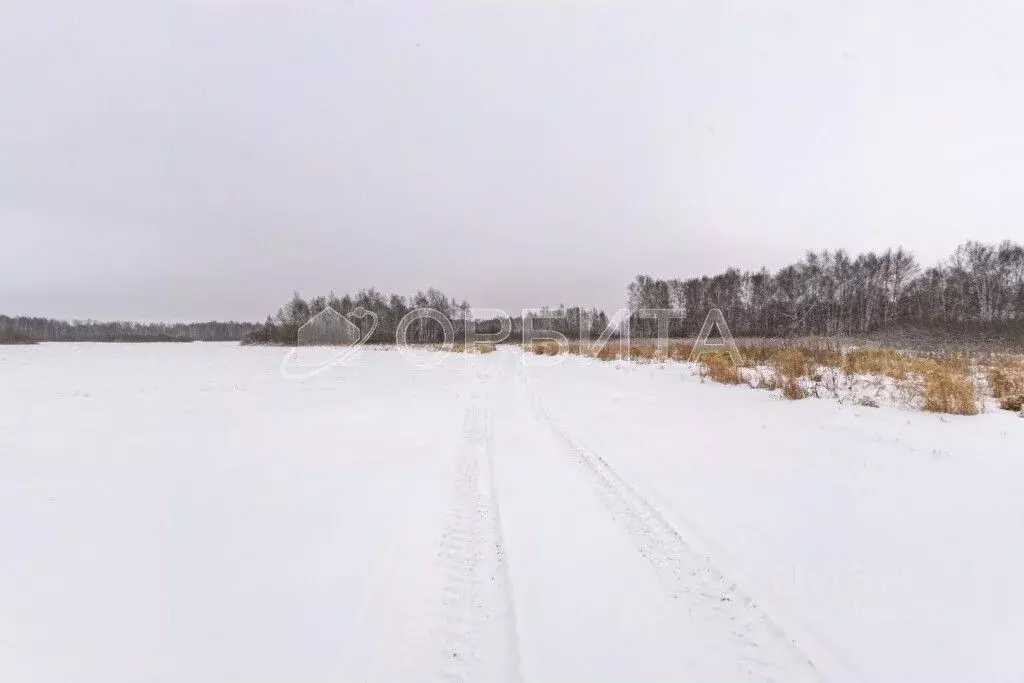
x=183, y=513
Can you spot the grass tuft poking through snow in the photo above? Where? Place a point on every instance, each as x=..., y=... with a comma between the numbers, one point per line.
x=948, y=389
x=1014, y=403
x=952, y=382
x=790, y=365
x=720, y=368
x=877, y=361
x=1005, y=378
x=478, y=347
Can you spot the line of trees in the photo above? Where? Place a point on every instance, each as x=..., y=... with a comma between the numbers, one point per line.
x=283, y=327
x=980, y=287
x=22, y=329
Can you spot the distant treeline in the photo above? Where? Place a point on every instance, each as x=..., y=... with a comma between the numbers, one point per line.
x=979, y=289
x=283, y=327
x=28, y=330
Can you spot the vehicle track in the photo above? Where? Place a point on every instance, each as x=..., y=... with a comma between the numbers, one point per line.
x=441, y=608
x=479, y=641
x=706, y=595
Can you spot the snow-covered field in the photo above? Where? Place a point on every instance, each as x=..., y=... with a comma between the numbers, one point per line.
x=184, y=513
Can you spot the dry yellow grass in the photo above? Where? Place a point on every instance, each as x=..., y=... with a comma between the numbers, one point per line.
x=1014, y=403
x=790, y=365
x=941, y=382
x=544, y=348
x=877, y=361
x=679, y=351
x=792, y=390
x=948, y=389
x=758, y=355
x=643, y=352
x=1005, y=377
x=649, y=351
x=607, y=352
x=478, y=347
x=936, y=382
x=553, y=348
x=826, y=356
x=576, y=349
x=720, y=368
x=610, y=350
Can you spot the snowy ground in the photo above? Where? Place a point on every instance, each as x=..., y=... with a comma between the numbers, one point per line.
x=184, y=513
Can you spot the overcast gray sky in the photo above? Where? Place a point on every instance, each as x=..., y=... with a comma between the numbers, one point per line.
x=195, y=159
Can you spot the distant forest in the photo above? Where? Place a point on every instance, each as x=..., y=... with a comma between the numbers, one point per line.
x=283, y=327
x=25, y=330
x=979, y=289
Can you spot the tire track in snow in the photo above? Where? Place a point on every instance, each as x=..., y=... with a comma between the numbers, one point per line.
x=703, y=591
x=432, y=591
x=478, y=616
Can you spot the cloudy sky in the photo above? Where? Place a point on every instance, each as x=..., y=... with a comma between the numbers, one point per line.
x=194, y=159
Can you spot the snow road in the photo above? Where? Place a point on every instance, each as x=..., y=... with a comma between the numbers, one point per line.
x=183, y=513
